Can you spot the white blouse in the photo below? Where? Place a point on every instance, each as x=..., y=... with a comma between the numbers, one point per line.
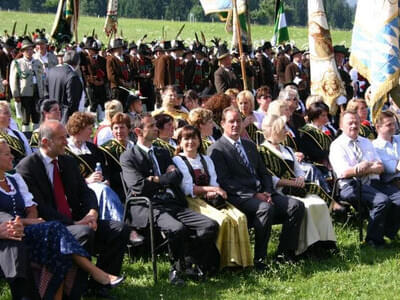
x=187, y=181
x=22, y=187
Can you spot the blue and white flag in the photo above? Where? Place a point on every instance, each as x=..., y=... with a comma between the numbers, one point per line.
x=375, y=48
x=216, y=6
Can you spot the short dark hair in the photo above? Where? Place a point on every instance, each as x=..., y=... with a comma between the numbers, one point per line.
x=139, y=123
x=189, y=131
x=46, y=106
x=316, y=109
x=162, y=119
x=263, y=91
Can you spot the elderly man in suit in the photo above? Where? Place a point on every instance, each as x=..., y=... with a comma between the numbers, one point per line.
x=244, y=176
x=224, y=77
x=61, y=194
x=150, y=172
x=27, y=86
x=65, y=85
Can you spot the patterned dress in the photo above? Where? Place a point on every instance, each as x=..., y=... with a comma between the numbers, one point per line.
x=50, y=246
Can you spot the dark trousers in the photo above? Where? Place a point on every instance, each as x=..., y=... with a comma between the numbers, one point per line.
x=108, y=242
x=119, y=94
x=185, y=225
x=97, y=96
x=29, y=107
x=383, y=203
x=262, y=215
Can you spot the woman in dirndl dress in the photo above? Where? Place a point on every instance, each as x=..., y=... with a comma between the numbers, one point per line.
x=204, y=195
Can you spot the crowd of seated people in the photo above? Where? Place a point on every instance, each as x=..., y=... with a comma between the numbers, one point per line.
x=213, y=168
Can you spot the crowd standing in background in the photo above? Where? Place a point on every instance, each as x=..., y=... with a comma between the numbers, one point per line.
x=172, y=123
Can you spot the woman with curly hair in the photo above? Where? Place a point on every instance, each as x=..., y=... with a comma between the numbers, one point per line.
x=88, y=156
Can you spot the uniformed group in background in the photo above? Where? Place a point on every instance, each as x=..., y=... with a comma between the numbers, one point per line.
x=175, y=124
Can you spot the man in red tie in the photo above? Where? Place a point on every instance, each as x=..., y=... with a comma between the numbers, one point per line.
x=62, y=194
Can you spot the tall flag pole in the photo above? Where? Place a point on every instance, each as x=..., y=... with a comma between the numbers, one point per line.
x=375, y=49
x=325, y=78
x=281, y=32
x=240, y=46
x=66, y=21
x=111, y=25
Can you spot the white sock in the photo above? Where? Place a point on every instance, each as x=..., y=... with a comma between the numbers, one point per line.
x=18, y=110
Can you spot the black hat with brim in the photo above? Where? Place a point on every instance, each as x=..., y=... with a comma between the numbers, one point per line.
x=223, y=51
x=115, y=44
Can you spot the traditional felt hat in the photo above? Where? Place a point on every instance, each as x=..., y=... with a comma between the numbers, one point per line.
x=223, y=51
x=40, y=36
x=115, y=44
x=267, y=45
x=26, y=43
x=91, y=44
x=177, y=45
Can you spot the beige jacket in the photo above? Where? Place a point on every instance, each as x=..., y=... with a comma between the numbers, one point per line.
x=22, y=77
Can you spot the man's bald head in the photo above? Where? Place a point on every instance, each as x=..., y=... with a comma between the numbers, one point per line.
x=52, y=138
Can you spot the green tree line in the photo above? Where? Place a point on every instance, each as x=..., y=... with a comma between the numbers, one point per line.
x=340, y=14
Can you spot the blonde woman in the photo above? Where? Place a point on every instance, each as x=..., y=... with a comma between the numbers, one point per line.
x=104, y=133
x=289, y=179
x=245, y=104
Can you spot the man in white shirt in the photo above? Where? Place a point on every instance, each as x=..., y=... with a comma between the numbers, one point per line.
x=387, y=146
x=354, y=156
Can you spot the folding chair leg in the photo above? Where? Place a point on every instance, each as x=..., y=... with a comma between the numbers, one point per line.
x=153, y=254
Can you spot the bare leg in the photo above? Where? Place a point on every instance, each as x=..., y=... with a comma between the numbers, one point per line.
x=97, y=274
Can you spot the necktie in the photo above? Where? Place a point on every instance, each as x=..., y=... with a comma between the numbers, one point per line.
x=357, y=150
x=154, y=163
x=59, y=192
x=243, y=157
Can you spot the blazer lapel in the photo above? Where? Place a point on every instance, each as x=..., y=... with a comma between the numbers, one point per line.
x=42, y=174
x=236, y=156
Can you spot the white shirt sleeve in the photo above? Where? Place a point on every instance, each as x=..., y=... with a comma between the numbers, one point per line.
x=339, y=159
x=211, y=171
x=104, y=135
x=187, y=180
x=24, y=191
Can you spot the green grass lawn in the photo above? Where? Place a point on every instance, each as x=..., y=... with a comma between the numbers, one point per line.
x=354, y=273
x=134, y=29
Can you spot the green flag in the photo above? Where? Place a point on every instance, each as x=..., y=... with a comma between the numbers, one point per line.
x=281, y=33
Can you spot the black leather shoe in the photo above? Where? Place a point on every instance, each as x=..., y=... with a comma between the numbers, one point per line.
x=135, y=238
x=175, y=278
x=260, y=266
x=195, y=273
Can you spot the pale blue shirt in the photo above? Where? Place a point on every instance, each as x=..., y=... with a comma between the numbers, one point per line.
x=389, y=153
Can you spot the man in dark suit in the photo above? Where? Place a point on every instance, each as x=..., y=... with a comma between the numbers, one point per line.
x=243, y=175
x=224, y=77
x=150, y=172
x=64, y=85
x=266, y=67
x=62, y=194
x=197, y=72
x=96, y=75
x=295, y=72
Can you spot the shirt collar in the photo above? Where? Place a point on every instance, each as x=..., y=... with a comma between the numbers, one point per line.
x=383, y=143
x=348, y=140
x=144, y=148
x=48, y=160
x=233, y=141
